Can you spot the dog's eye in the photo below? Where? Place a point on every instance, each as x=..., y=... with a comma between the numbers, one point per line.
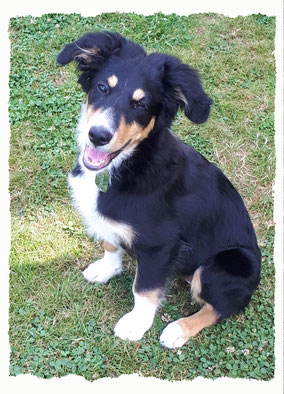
x=102, y=88
x=136, y=104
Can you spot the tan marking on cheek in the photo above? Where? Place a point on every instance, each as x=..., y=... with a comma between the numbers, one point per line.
x=92, y=111
x=140, y=136
x=109, y=247
x=133, y=131
x=119, y=136
x=138, y=94
x=192, y=325
x=112, y=81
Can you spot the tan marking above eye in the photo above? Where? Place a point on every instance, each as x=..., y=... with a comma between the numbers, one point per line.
x=138, y=94
x=112, y=81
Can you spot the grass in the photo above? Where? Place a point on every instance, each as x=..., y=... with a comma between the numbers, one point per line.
x=61, y=325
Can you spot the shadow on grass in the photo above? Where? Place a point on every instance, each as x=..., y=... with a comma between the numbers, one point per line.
x=59, y=324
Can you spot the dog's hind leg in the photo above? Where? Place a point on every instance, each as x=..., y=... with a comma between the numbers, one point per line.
x=107, y=267
x=224, y=285
x=179, y=331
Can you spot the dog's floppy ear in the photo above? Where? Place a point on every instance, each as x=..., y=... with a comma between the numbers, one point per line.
x=90, y=47
x=183, y=88
x=92, y=50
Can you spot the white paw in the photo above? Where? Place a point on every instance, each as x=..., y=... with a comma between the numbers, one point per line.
x=131, y=327
x=101, y=271
x=172, y=336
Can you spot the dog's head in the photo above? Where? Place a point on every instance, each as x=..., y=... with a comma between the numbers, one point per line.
x=129, y=94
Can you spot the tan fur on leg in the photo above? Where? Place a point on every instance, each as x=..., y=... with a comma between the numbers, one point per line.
x=109, y=247
x=178, y=332
x=134, y=324
x=196, y=285
x=153, y=296
x=192, y=325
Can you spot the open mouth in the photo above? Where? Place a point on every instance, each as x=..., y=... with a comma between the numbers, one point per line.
x=96, y=160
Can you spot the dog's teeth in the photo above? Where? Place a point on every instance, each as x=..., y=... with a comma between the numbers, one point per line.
x=101, y=162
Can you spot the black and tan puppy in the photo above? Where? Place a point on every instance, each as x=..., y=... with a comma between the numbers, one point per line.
x=165, y=203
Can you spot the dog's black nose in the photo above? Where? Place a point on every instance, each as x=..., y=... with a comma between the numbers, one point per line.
x=99, y=136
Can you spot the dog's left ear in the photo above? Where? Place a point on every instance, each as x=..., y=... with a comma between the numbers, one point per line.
x=183, y=88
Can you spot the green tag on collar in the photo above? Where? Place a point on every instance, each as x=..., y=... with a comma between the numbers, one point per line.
x=102, y=179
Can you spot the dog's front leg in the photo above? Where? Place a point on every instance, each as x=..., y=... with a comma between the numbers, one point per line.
x=110, y=265
x=134, y=324
x=148, y=290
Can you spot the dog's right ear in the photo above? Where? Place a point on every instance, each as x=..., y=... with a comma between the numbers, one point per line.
x=90, y=52
x=90, y=47
x=74, y=52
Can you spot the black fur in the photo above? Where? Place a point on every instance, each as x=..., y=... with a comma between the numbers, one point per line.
x=184, y=211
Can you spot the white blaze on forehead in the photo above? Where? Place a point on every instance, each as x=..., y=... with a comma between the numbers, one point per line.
x=102, y=118
x=138, y=94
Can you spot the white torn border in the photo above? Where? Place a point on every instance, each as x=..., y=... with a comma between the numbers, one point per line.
x=74, y=384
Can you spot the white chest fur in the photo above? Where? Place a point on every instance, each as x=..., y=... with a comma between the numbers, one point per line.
x=85, y=193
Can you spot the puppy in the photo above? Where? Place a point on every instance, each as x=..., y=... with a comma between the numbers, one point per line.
x=165, y=203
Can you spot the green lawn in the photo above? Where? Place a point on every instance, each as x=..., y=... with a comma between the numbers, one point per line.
x=61, y=325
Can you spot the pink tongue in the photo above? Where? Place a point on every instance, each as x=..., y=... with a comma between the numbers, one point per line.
x=95, y=155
